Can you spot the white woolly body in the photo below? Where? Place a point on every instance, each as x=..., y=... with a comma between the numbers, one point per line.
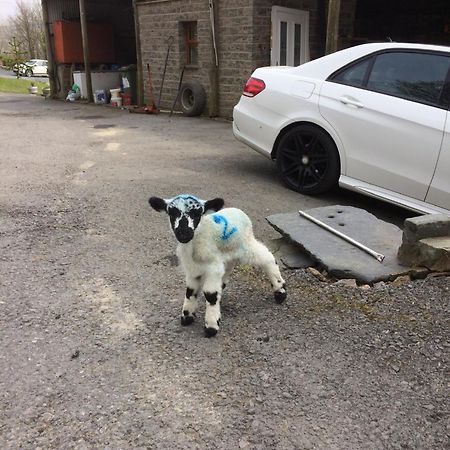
x=209, y=248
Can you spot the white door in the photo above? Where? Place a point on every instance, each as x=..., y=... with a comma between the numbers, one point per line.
x=383, y=111
x=290, y=37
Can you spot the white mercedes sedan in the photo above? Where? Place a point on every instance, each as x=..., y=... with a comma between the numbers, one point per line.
x=372, y=118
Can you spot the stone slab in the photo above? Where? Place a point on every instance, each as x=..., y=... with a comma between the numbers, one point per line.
x=340, y=258
x=426, y=242
x=434, y=253
x=291, y=255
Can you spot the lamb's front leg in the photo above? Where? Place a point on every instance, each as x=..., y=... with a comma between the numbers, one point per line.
x=190, y=303
x=212, y=288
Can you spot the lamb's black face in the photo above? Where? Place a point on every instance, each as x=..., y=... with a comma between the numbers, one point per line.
x=185, y=213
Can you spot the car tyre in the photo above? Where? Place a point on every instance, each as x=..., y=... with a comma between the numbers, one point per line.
x=28, y=73
x=192, y=98
x=307, y=159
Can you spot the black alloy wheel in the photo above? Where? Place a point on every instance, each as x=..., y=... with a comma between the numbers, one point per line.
x=308, y=160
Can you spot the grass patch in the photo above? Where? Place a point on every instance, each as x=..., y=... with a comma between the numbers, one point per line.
x=19, y=86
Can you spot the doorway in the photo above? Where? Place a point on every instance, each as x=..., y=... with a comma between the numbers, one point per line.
x=290, y=37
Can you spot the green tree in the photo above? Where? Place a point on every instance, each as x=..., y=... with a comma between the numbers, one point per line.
x=28, y=26
x=15, y=55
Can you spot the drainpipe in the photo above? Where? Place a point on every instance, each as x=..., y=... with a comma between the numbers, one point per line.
x=334, y=8
x=213, y=97
x=87, y=63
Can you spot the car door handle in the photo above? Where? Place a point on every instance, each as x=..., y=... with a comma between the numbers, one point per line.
x=351, y=101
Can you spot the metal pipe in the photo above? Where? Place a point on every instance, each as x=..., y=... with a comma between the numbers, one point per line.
x=170, y=42
x=377, y=256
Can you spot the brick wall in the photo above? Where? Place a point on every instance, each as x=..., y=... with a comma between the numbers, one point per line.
x=243, y=40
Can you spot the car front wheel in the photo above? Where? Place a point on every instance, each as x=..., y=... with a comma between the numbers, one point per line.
x=29, y=73
x=307, y=159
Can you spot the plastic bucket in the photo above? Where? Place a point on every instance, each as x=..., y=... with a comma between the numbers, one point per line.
x=114, y=92
x=100, y=96
x=116, y=101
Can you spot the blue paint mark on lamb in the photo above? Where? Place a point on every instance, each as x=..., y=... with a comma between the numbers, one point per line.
x=226, y=232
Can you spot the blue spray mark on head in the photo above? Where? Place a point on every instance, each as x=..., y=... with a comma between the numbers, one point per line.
x=226, y=232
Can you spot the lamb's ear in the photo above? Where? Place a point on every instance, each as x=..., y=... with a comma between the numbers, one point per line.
x=214, y=205
x=159, y=204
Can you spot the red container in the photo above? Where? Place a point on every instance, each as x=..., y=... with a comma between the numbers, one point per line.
x=69, y=46
x=126, y=100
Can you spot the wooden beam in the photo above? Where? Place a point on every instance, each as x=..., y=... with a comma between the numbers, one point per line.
x=85, y=39
x=139, y=74
x=48, y=43
x=334, y=8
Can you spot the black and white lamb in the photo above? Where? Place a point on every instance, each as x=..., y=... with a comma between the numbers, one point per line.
x=209, y=247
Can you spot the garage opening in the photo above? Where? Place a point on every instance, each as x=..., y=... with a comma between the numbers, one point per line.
x=403, y=21
x=112, y=47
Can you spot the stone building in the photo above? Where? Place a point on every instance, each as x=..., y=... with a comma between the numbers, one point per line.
x=255, y=33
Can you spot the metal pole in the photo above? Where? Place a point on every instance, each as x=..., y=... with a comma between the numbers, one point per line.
x=87, y=62
x=371, y=252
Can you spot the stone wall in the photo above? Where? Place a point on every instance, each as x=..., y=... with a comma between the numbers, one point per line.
x=160, y=19
x=243, y=40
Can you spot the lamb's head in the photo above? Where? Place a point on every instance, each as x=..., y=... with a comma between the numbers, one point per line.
x=185, y=213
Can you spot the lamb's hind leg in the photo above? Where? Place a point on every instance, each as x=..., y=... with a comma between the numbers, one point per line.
x=262, y=257
x=190, y=301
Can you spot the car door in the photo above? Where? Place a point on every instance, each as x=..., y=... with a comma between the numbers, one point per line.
x=439, y=193
x=386, y=110
x=39, y=68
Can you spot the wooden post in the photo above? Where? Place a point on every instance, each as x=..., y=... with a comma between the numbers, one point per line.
x=334, y=8
x=139, y=74
x=48, y=43
x=213, y=96
x=87, y=62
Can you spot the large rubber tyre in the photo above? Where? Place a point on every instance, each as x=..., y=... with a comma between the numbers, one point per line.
x=307, y=160
x=28, y=73
x=192, y=99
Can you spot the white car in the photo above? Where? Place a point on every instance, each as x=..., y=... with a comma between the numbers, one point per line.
x=374, y=118
x=33, y=67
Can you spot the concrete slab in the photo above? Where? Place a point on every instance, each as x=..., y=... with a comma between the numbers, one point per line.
x=340, y=258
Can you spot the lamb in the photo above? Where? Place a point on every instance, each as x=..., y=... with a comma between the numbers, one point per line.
x=210, y=245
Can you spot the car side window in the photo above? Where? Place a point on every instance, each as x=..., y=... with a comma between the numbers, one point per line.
x=410, y=75
x=355, y=75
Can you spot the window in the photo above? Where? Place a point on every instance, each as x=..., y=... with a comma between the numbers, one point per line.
x=354, y=75
x=190, y=43
x=413, y=76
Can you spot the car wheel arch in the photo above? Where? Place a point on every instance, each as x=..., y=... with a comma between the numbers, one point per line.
x=330, y=133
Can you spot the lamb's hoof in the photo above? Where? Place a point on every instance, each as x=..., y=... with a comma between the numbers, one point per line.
x=187, y=320
x=280, y=296
x=210, y=332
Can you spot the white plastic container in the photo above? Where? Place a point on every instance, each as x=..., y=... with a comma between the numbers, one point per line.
x=114, y=93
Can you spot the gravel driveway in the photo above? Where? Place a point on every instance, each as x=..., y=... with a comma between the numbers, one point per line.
x=92, y=352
